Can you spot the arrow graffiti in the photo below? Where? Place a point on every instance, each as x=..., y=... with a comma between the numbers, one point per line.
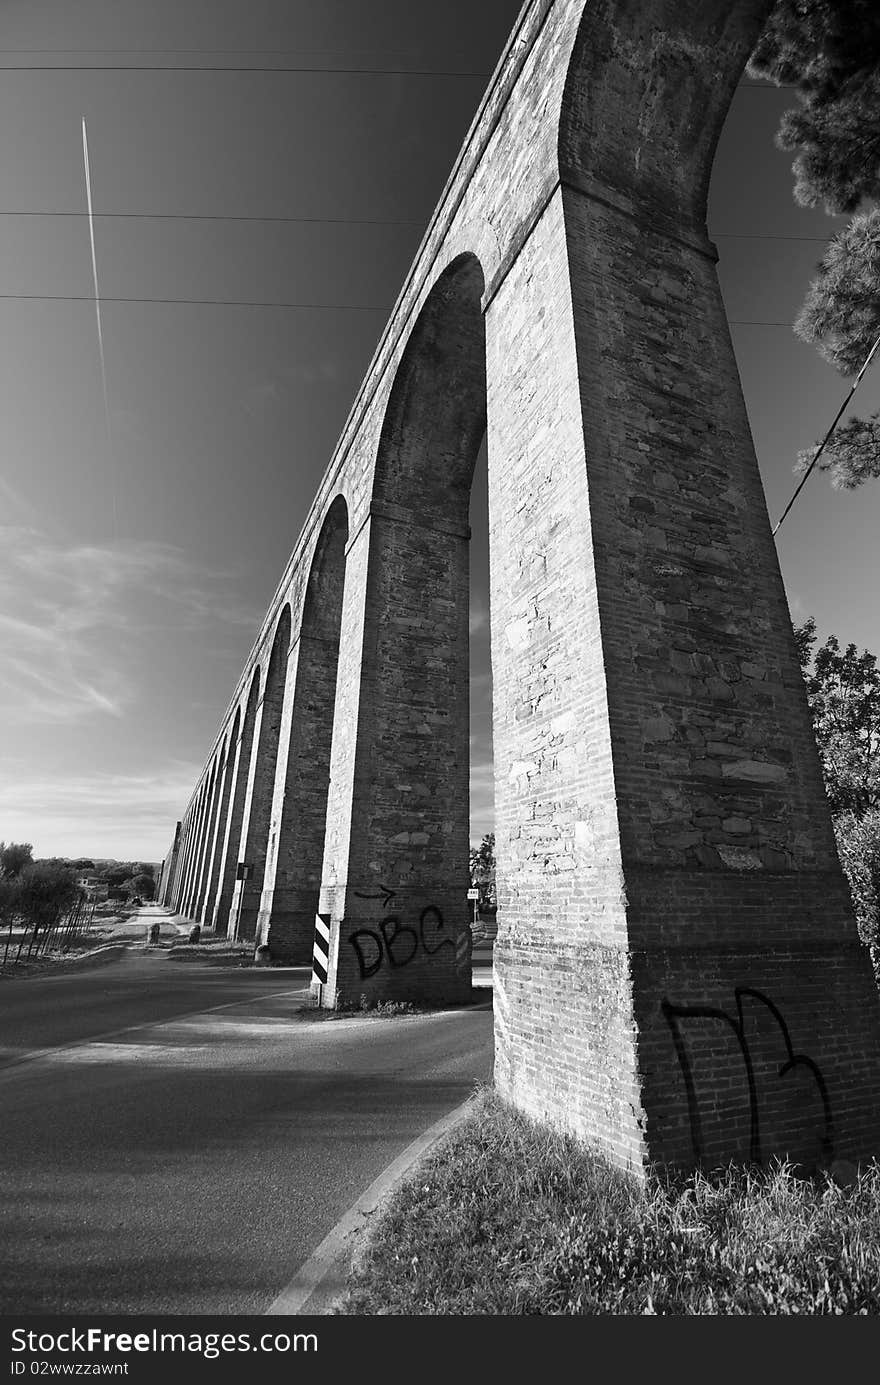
x=384, y=894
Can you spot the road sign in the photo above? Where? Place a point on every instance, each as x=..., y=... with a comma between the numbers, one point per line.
x=473, y=894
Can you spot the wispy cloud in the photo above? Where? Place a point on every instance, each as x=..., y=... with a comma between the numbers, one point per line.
x=14, y=499
x=76, y=619
x=482, y=789
x=130, y=816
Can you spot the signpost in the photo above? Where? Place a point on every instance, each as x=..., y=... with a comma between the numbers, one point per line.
x=474, y=894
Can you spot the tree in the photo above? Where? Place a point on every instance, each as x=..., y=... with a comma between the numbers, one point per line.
x=142, y=885
x=851, y=456
x=843, y=690
x=858, y=846
x=829, y=51
x=482, y=867
x=14, y=856
x=47, y=890
x=118, y=874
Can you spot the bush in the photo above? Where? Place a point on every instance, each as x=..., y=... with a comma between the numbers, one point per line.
x=46, y=890
x=858, y=845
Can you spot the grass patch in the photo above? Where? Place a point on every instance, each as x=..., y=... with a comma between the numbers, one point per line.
x=510, y=1218
x=89, y=949
x=220, y=951
x=390, y=1009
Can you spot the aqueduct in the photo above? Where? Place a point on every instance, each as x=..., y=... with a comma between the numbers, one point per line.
x=677, y=971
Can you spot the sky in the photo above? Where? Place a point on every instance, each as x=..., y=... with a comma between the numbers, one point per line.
x=137, y=559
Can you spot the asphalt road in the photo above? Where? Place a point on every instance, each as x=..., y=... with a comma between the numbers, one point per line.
x=189, y=1133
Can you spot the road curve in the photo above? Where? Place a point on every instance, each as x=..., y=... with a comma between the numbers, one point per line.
x=190, y=1162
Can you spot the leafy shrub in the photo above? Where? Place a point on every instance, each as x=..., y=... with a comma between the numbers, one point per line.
x=858, y=845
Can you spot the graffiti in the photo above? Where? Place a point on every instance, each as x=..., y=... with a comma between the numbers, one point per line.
x=397, y=943
x=384, y=894
x=677, y=1014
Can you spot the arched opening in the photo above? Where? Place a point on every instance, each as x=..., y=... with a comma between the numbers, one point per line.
x=252, y=852
x=196, y=841
x=211, y=838
x=240, y=757
x=296, y=846
x=203, y=848
x=215, y=863
x=395, y=874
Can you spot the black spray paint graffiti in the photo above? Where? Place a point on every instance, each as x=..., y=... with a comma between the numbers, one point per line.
x=398, y=943
x=384, y=894
x=675, y=1014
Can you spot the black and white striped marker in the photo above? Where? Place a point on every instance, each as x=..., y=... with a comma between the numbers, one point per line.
x=321, y=951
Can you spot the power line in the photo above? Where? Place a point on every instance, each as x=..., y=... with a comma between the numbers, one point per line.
x=259, y=303
x=194, y=302
x=334, y=221
x=213, y=52
x=755, y=235
x=298, y=71
x=200, y=216
x=821, y=448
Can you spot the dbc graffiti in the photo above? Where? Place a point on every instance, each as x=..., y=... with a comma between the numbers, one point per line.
x=677, y=1015
x=398, y=943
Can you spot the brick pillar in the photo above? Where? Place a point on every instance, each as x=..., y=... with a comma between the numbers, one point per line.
x=240, y=750
x=396, y=863
x=673, y=921
x=201, y=864
x=186, y=869
x=257, y=808
x=178, y=865
x=395, y=875
x=164, y=894
x=215, y=828
x=296, y=839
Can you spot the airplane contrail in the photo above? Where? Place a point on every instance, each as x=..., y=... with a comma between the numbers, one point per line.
x=88, y=174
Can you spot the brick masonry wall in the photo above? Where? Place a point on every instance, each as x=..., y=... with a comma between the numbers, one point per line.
x=565, y=1029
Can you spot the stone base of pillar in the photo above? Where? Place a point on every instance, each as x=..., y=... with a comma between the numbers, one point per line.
x=741, y=1023
x=421, y=953
x=286, y=924
x=244, y=912
x=219, y=921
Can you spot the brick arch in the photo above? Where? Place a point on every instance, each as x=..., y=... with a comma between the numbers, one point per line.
x=191, y=903
x=261, y=778
x=399, y=790
x=221, y=830
x=435, y=418
x=215, y=816
x=647, y=90
x=195, y=845
x=240, y=755
x=296, y=842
